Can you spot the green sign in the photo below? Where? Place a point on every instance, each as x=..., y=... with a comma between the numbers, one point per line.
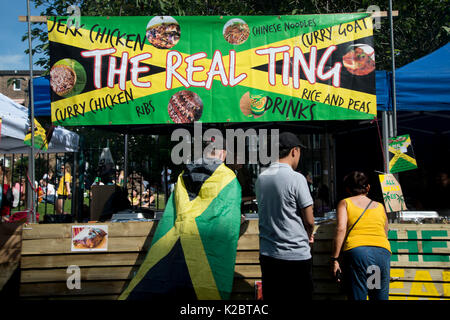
x=401, y=154
x=161, y=69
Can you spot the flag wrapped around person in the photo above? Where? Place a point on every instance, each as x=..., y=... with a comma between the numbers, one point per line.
x=193, y=251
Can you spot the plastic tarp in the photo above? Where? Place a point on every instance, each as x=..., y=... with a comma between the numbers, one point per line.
x=41, y=92
x=15, y=123
x=422, y=85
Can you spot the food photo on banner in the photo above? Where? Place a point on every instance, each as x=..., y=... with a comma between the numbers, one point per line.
x=211, y=69
x=89, y=238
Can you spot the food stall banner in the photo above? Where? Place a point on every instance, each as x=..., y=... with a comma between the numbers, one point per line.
x=401, y=154
x=212, y=69
x=392, y=193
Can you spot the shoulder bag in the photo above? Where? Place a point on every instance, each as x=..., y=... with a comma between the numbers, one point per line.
x=338, y=274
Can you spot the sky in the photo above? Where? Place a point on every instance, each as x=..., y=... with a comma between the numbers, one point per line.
x=12, y=55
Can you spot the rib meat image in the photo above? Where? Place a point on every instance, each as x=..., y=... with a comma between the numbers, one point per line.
x=89, y=238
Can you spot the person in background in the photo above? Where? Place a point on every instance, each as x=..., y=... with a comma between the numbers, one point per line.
x=286, y=225
x=63, y=191
x=121, y=178
x=135, y=198
x=48, y=176
x=20, y=187
x=170, y=184
x=364, y=242
x=247, y=186
x=147, y=199
x=321, y=202
x=5, y=180
x=49, y=192
x=310, y=182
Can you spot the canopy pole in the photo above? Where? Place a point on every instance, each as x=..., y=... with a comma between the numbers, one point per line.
x=385, y=140
x=31, y=172
x=125, y=165
x=394, y=93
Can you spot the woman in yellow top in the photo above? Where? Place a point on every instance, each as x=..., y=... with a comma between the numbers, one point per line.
x=135, y=198
x=366, y=249
x=63, y=191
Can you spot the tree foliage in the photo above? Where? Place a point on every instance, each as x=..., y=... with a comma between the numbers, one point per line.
x=420, y=28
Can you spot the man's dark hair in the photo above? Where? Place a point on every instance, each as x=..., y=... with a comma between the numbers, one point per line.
x=356, y=183
x=284, y=152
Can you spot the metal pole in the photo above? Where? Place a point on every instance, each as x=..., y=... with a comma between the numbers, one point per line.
x=394, y=93
x=385, y=140
x=74, y=203
x=32, y=214
x=125, y=165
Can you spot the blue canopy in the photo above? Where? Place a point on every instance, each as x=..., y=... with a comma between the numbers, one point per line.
x=41, y=91
x=422, y=85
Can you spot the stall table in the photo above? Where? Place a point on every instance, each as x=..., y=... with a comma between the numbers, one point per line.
x=420, y=267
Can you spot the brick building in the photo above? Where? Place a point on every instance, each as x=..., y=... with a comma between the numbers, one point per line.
x=18, y=91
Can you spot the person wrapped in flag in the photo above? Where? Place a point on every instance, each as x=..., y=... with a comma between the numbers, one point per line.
x=193, y=251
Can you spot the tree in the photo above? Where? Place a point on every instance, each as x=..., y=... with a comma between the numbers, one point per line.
x=420, y=28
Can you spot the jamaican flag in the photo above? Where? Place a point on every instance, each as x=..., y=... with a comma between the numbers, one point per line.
x=193, y=251
x=40, y=137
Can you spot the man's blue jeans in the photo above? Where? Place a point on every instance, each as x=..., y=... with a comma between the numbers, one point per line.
x=367, y=273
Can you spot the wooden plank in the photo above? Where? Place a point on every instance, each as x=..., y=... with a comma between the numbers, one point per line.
x=327, y=231
x=33, y=18
x=247, y=257
x=64, y=230
x=6, y=271
x=118, y=244
x=417, y=289
x=250, y=227
x=10, y=248
x=248, y=242
x=381, y=14
x=82, y=260
x=425, y=226
x=397, y=274
x=420, y=275
x=108, y=259
x=247, y=271
x=86, y=274
x=58, y=246
x=60, y=288
x=404, y=260
x=112, y=273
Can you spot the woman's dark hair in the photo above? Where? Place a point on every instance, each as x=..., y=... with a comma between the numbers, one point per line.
x=356, y=183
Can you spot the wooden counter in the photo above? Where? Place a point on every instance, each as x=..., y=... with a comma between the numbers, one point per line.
x=420, y=265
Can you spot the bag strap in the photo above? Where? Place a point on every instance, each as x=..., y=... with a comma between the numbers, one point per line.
x=351, y=228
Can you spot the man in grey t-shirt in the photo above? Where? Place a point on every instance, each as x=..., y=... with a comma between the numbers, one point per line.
x=286, y=224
